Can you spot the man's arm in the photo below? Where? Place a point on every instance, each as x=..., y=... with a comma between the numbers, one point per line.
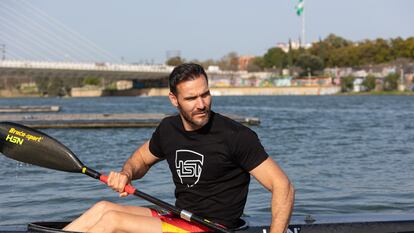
x=271, y=176
x=136, y=166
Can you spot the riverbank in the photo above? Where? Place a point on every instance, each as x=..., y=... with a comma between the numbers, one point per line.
x=220, y=91
x=217, y=91
x=408, y=93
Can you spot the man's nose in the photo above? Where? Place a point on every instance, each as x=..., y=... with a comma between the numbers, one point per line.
x=200, y=103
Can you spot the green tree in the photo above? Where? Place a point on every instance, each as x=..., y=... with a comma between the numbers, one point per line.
x=309, y=63
x=255, y=65
x=347, y=83
x=369, y=82
x=333, y=41
x=94, y=81
x=275, y=57
x=175, y=61
x=42, y=84
x=290, y=55
x=55, y=87
x=402, y=48
x=391, y=82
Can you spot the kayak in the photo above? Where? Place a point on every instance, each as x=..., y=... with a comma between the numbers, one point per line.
x=299, y=224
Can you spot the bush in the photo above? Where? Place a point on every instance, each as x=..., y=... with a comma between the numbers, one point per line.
x=93, y=81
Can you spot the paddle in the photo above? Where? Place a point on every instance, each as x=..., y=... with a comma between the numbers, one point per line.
x=31, y=146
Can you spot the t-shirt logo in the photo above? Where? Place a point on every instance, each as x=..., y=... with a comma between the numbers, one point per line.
x=189, y=165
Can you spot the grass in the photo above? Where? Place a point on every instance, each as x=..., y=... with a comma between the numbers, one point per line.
x=378, y=93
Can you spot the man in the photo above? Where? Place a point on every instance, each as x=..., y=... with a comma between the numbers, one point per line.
x=211, y=158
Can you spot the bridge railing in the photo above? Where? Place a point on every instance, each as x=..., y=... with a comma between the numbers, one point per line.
x=103, y=66
x=26, y=64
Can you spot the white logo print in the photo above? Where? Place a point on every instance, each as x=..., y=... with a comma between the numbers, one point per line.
x=189, y=165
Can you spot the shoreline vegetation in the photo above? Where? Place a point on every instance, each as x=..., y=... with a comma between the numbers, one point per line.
x=228, y=91
x=373, y=93
x=330, y=66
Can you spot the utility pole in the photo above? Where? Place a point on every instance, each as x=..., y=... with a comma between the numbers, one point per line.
x=402, y=83
x=3, y=51
x=300, y=12
x=303, y=27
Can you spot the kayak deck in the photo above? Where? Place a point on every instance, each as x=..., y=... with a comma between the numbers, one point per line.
x=378, y=223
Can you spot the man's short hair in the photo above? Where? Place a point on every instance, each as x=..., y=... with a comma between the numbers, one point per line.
x=185, y=72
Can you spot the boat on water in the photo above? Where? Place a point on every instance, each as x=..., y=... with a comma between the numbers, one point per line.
x=355, y=223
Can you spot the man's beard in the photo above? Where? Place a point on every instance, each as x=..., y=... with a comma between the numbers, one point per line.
x=188, y=117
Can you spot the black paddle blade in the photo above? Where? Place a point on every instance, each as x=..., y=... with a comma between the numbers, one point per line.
x=31, y=146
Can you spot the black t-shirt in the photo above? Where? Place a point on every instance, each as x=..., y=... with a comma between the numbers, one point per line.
x=209, y=166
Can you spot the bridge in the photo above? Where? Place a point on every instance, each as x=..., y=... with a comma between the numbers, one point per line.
x=33, y=69
x=35, y=47
x=36, y=69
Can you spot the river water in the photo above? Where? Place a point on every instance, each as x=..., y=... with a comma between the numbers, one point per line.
x=344, y=154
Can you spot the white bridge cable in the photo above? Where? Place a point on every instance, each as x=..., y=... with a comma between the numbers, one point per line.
x=30, y=41
x=26, y=40
x=63, y=28
x=22, y=48
x=49, y=39
x=15, y=40
x=10, y=55
x=48, y=43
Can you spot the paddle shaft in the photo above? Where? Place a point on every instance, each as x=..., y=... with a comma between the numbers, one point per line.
x=177, y=211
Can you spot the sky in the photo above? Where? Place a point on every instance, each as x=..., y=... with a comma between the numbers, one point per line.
x=135, y=31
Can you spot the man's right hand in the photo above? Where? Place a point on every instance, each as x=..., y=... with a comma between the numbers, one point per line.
x=118, y=180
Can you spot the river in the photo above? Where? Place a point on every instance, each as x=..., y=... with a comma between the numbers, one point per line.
x=344, y=154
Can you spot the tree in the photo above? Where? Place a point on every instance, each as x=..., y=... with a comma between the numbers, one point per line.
x=369, y=82
x=207, y=63
x=229, y=62
x=347, y=83
x=55, y=87
x=255, y=65
x=391, y=82
x=290, y=55
x=335, y=51
x=275, y=58
x=333, y=41
x=309, y=63
x=175, y=61
x=42, y=84
x=93, y=81
x=402, y=48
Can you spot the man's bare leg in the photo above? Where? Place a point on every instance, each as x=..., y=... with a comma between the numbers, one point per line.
x=121, y=222
x=91, y=217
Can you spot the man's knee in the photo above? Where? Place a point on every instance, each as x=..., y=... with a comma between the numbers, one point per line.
x=103, y=206
x=110, y=219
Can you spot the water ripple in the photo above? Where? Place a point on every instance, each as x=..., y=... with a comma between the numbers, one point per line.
x=343, y=154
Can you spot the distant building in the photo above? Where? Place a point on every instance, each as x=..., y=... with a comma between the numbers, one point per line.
x=124, y=84
x=358, y=87
x=295, y=45
x=244, y=62
x=213, y=69
x=313, y=81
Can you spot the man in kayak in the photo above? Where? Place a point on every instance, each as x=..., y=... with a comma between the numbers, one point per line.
x=211, y=158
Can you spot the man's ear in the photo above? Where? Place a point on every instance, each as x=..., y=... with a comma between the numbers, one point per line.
x=173, y=99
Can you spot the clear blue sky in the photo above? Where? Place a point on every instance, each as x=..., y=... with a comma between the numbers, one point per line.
x=145, y=30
